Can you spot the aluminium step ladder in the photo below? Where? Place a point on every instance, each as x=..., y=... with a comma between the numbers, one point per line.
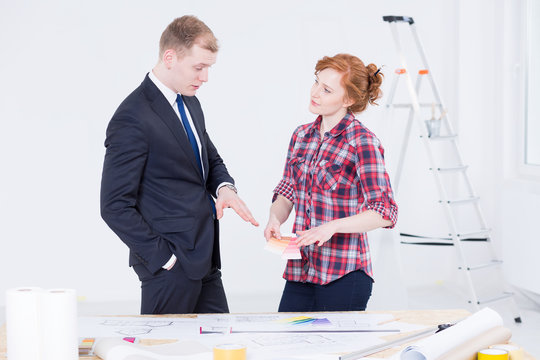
x=435, y=131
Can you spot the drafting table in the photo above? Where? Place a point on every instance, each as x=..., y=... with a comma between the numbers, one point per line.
x=420, y=317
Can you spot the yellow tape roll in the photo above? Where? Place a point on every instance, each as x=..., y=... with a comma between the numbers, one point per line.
x=514, y=352
x=493, y=354
x=229, y=352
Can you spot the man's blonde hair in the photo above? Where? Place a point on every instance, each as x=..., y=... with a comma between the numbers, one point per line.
x=184, y=32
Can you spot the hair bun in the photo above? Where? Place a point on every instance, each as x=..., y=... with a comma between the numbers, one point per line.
x=375, y=80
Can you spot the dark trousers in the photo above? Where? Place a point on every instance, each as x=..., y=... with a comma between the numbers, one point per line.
x=348, y=293
x=172, y=292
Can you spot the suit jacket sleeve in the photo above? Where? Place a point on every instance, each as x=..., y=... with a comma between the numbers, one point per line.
x=125, y=159
x=217, y=171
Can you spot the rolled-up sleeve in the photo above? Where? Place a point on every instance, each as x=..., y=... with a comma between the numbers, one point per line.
x=285, y=185
x=374, y=180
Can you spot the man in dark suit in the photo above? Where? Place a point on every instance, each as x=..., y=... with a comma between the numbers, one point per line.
x=160, y=174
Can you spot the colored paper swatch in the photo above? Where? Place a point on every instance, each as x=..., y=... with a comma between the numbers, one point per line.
x=305, y=320
x=323, y=321
x=286, y=247
x=276, y=246
x=87, y=345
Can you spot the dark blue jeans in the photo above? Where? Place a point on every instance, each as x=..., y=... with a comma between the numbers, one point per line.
x=348, y=293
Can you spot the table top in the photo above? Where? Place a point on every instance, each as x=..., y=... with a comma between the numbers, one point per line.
x=420, y=317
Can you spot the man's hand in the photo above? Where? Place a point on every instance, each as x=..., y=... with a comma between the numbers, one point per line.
x=227, y=198
x=319, y=235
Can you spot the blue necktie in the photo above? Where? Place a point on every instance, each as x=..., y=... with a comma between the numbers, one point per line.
x=192, y=140
x=189, y=131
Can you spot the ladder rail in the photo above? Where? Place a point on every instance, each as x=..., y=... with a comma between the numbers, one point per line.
x=392, y=91
x=405, y=145
x=414, y=97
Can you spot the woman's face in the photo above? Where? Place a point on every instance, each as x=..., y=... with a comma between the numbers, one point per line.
x=327, y=94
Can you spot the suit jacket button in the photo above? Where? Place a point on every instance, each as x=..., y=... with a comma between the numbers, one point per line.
x=214, y=216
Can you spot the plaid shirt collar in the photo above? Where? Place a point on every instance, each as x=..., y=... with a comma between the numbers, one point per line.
x=336, y=130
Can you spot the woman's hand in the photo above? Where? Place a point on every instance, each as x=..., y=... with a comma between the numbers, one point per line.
x=272, y=228
x=319, y=234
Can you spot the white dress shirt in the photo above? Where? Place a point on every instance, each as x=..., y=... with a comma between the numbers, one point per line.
x=171, y=99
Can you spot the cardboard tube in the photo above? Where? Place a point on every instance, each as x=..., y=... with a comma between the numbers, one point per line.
x=514, y=352
x=469, y=349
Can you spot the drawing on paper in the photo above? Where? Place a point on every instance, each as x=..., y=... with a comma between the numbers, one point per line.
x=293, y=340
x=150, y=323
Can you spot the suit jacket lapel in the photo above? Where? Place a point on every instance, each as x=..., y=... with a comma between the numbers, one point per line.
x=165, y=112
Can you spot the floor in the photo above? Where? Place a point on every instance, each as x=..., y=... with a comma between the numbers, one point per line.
x=526, y=334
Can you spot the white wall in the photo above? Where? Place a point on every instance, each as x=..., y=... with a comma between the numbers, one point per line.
x=518, y=187
x=66, y=65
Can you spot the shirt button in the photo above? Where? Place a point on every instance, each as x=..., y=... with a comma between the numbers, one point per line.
x=309, y=193
x=307, y=211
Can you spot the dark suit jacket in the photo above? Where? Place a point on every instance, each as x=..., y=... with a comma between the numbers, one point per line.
x=153, y=195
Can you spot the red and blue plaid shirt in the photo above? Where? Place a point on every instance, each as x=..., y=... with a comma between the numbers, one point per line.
x=339, y=176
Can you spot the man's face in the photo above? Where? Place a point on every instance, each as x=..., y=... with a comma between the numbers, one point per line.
x=190, y=70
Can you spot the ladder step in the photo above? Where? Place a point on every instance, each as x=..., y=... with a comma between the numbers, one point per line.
x=407, y=105
x=430, y=243
x=443, y=137
x=461, y=201
x=451, y=169
x=438, y=241
x=505, y=295
x=484, y=233
x=482, y=266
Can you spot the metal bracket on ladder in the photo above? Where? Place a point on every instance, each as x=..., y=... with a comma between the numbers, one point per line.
x=456, y=237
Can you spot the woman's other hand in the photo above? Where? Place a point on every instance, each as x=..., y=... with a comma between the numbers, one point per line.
x=319, y=235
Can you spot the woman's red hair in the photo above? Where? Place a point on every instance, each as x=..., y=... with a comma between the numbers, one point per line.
x=361, y=83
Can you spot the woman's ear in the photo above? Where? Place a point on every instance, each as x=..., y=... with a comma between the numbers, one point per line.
x=347, y=102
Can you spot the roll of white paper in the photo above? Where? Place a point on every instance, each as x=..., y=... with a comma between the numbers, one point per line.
x=41, y=324
x=118, y=349
x=59, y=325
x=23, y=323
x=442, y=342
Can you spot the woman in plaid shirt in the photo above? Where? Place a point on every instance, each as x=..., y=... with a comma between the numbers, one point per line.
x=337, y=182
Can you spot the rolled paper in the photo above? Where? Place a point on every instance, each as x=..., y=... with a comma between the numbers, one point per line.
x=41, y=324
x=444, y=341
x=469, y=349
x=23, y=323
x=59, y=325
x=118, y=349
